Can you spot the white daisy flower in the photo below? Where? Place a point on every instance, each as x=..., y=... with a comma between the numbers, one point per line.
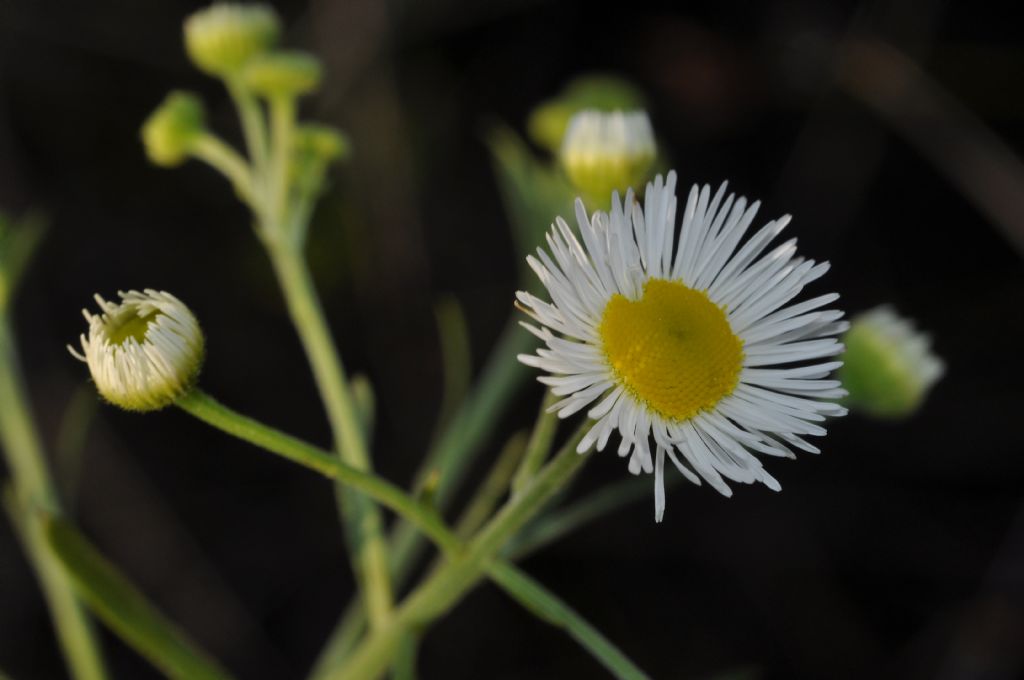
x=143, y=353
x=687, y=344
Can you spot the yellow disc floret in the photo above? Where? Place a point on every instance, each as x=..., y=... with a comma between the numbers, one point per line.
x=672, y=349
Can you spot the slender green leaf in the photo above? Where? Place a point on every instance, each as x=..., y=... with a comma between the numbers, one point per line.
x=547, y=606
x=127, y=612
x=456, y=356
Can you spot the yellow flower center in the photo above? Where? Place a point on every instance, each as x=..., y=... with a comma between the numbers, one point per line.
x=130, y=325
x=672, y=349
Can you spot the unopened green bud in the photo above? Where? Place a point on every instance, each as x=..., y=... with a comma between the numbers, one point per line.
x=221, y=38
x=171, y=131
x=888, y=366
x=144, y=352
x=322, y=142
x=287, y=74
x=549, y=120
x=603, y=152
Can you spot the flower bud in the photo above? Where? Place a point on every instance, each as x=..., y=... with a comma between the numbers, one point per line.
x=322, y=142
x=603, y=152
x=888, y=366
x=143, y=353
x=282, y=74
x=221, y=38
x=173, y=128
x=550, y=119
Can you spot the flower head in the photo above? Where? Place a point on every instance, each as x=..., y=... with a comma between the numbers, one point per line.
x=605, y=152
x=171, y=131
x=888, y=365
x=221, y=38
x=143, y=353
x=684, y=340
x=282, y=74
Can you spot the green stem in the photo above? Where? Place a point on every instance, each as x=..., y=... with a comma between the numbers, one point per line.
x=253, y=126
x=466, y=563
x=539, y=446
x=463, y=438
x=364, y=523
x=494, y=486
x=207, y=409
x=450, y=582
x=549, y=607
x=549, y=529
x=213, y=151
x=34, y=489
x=453, y=453
x=282, y=122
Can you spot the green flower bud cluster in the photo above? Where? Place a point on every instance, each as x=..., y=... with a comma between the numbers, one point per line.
x=283, y=169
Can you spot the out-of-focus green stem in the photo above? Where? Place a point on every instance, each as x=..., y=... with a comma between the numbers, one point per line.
x=253, y=126
x=364, y=523
x=33, y=489
x=453, y=453
x=282, y=126
x=462, y=440
x=213, y=151
x=493, y=487
x=539, y=446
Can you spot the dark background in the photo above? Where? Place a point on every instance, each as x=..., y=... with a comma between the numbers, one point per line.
x=897, y=552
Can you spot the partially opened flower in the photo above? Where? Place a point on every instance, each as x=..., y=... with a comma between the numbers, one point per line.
x=684, y=340
x=143, y=353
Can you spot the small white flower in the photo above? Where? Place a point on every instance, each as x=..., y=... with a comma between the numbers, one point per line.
x=685, y=339
x=143, y=353
x=608, y=151
x=889, y=366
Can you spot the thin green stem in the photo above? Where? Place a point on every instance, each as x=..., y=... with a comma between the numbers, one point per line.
x=450, y=582
x=365, y=527
x=539, y=446
x=207, y=409
x=453, y=453
x=33, y=489
x=254, y=127
x=463, y=438
x=466, y=563
x=216, y=153
x=549, y=529
x=549, y=607
x=494, y=486
x=282, y=127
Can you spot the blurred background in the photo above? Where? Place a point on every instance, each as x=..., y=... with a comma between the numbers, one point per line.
x=889, y=129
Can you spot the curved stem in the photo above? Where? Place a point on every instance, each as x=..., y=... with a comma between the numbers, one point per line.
x=466, y=565
x=34, y=489
x=364, y=524
x=207, y=409
x=213, y=151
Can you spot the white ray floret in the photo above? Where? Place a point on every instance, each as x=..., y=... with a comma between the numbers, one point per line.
x=630, y=288
x=144, y=352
